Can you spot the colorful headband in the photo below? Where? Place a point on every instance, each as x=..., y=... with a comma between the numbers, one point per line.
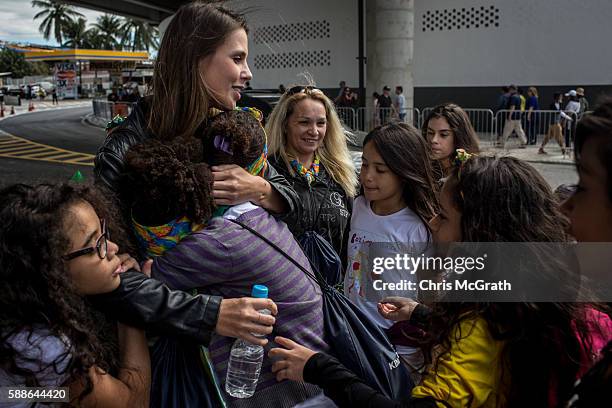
x=256, y=113
x=155, y=240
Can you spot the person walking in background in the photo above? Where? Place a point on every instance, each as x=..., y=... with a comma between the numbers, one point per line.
x=572, y=109
x=531, y=117
x=502, y=103
x=375, y=116
x=584, y=103
x=54, y=96
x=513, y=119
x=400, y=103
x=342, y=85
x=556, y=121
x=522, y=98
x=384, y=105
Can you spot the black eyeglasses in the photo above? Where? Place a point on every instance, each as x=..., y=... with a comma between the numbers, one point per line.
x=101, y=246
x=300, y=88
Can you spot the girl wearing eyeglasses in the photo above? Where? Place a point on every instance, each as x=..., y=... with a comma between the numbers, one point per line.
x=54, y=251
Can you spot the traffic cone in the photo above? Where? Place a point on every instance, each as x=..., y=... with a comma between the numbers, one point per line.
x=77, y=177
x=12, y=110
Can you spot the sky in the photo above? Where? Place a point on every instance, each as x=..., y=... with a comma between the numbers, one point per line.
x=17, y=22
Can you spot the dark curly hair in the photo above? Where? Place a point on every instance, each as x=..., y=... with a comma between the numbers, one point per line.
x=244, y=133
x=36, y=289
x=503, y=199
x=167, y=180
x=176, y=176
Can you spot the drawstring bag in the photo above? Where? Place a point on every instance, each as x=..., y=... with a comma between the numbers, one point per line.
x=321, y=254
x=181, y=376
x=355, y=340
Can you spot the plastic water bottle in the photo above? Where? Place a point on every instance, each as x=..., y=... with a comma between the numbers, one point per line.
x=245, y=360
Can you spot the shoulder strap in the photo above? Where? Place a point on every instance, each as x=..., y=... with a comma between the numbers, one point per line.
x=316, y=276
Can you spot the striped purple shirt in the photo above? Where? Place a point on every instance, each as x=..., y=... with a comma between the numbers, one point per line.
x=225, y=259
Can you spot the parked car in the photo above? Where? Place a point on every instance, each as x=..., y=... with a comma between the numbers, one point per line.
x=15, y=90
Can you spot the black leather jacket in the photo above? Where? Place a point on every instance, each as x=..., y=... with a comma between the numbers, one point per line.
x=323, y=207
x=147, y=303
x=142, y=301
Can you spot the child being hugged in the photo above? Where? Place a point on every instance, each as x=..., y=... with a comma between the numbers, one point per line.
x=389, y=218
x=216, y=255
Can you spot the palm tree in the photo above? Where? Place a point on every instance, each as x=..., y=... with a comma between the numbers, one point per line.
x=108, y=28
x=94, y=39
x=138, y=35
x=56, y=16
x=76, y=34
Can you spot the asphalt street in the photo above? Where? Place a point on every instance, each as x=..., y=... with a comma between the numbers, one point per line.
x=62, y=128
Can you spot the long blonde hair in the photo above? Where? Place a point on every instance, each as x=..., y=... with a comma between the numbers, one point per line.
x=333, y=154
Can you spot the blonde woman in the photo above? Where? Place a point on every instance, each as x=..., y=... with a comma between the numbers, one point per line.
x=308, y=147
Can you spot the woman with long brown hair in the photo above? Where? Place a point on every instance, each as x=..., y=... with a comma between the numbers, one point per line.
x=446, y=129
x=200, y=70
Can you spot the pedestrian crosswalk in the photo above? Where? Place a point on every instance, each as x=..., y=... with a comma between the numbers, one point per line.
x=19, y=148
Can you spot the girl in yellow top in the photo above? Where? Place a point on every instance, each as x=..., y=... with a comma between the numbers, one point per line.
x=484, y=354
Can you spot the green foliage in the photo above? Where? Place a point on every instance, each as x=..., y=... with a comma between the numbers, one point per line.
x=138, y=35
x=56, y=17
x=12, y=61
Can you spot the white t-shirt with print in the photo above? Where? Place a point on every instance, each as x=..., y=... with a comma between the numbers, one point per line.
x=374, y=237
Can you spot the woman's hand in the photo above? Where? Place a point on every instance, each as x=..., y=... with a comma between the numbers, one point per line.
x=234, y=185
x=397, y=308
x=291, y=359
x=127, y=263
x=240, y=318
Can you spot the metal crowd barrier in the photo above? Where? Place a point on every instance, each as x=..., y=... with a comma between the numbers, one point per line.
x=368, y=118
x=347, y=116
x=536, y=125
x=108, y=110
x=483, y=121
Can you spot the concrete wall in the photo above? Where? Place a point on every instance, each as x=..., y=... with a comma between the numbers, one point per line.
x=290, y=38
x=465, y=50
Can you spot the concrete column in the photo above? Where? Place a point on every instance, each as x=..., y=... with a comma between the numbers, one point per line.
x=389, y=47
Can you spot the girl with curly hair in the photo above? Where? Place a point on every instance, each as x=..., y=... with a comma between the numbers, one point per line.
x=55, y=250
x=484, y=354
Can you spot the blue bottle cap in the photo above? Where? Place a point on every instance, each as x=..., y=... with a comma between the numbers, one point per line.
x=259, y=291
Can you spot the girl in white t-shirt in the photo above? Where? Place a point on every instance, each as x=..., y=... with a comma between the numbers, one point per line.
x=390, y=218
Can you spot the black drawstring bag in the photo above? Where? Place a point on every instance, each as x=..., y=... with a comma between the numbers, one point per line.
x=321, y=254
x=356, y=341
x=180, y=376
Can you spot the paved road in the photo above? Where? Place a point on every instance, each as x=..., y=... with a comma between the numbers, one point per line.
x=62, y=130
